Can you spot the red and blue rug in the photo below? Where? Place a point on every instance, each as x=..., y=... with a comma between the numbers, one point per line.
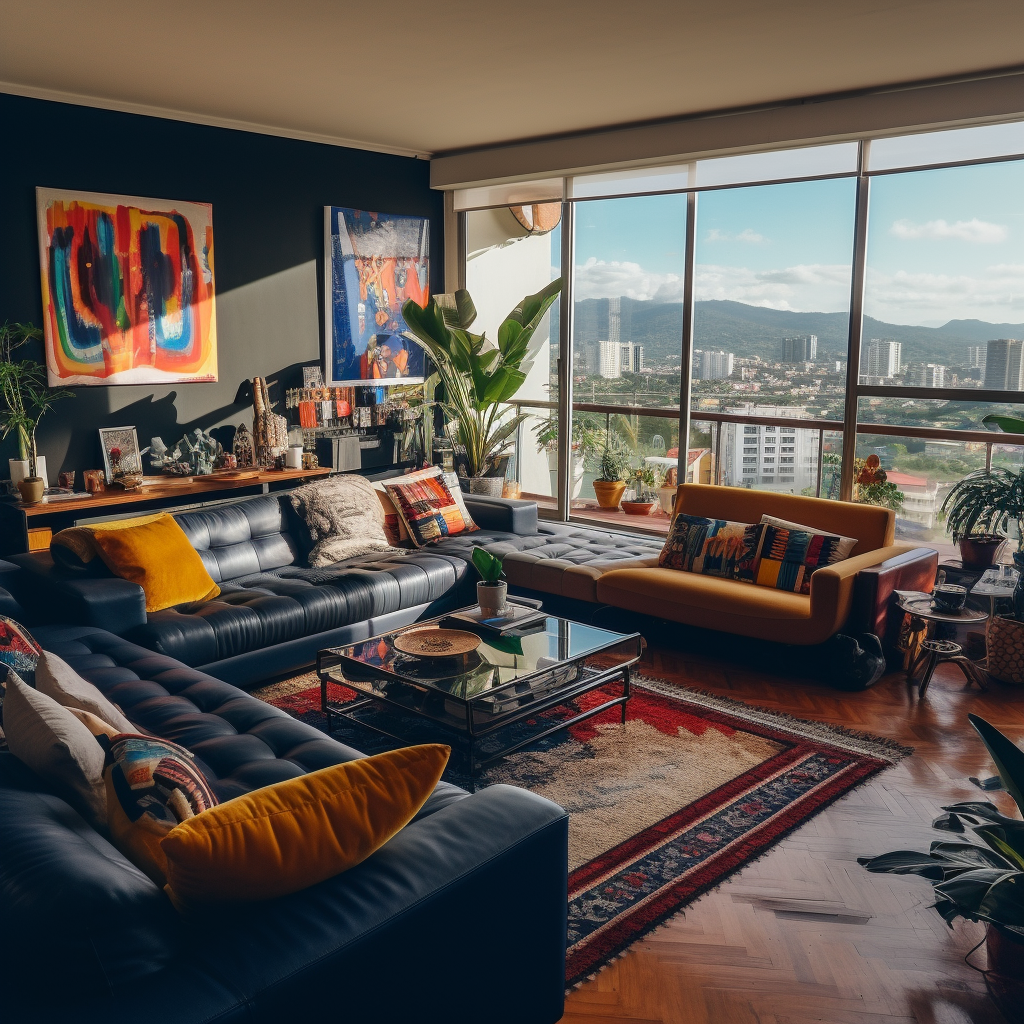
x=661, y=809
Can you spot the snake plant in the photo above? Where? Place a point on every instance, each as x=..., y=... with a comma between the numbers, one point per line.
x=479, y=377
x=980, y=879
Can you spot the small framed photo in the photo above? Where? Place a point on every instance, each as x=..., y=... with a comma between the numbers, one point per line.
x=120, y=451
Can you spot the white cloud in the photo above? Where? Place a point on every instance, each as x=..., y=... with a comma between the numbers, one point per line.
x=994, y=294
x=819, y=287
x=748, y=235
x=974, y=230
x=597, y=279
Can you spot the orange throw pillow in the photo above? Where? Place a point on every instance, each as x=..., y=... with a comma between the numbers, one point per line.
x=157, y=555
x=289, y=836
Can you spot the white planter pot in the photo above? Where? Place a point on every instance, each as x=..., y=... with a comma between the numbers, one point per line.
x=492, y=598
x=19, y=469
x=578, y=470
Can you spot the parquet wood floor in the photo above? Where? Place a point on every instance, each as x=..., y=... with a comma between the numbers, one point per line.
x=805, y=934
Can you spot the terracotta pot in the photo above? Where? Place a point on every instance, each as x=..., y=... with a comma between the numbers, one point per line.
x=609, y=492
x=638, y=508
x=32, y=488
x=1005, y=974
x=981, y=550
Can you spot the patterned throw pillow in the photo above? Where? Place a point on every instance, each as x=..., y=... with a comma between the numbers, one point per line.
x=712, y=547
x=840, y=551
x=151, y=786
x=18, y=650
x=788, y=557
x=427, y=506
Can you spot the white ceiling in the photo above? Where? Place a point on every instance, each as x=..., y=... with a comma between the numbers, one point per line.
x=426, y=79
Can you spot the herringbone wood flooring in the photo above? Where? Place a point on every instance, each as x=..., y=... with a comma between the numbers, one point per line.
x=805, y=934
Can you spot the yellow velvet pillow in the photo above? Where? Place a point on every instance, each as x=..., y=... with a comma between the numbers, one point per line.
x=157, y=555
x=291, y=835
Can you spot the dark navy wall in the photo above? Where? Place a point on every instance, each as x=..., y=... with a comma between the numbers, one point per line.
x=268, y=195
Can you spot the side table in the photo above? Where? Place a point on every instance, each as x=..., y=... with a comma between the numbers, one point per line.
x=921, y=608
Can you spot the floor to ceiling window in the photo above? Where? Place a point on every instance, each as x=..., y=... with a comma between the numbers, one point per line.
x=770, y=262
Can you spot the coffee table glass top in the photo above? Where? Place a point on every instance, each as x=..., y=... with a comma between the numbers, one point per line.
x=495, y=664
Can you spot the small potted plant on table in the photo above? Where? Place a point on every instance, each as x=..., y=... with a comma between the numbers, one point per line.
x=491, y=588
x=978, y=510
x=981, y=881
x=610, y=486
x=24, y=400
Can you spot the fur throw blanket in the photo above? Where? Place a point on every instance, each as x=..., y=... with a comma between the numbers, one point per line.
x=344, y=517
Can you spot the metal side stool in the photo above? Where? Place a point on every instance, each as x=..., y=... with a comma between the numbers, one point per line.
x=935, y=651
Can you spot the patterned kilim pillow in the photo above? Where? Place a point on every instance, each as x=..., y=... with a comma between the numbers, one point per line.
x=788, y=557
x=151, y=785
x=427, y=506
x=712, y=547
x=18, y=650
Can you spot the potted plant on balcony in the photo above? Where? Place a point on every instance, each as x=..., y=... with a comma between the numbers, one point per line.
x=24, y=400
x=981, y=881
x=978, y=510
x=645, y=483
x=584, y=444
x=610, y=486
x=479, y=377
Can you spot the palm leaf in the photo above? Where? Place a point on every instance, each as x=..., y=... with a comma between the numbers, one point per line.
x=1008, y=758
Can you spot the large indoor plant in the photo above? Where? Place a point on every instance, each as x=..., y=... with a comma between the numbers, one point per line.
x=980, y=879
x=24, y=400
x=479, y=377
x=978, y=510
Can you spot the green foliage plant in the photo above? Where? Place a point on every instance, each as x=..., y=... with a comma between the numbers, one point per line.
x=979, y=878
x=646, y=480
x=883, y=493
x=479, y=377
x=614, y=462
x=24, y=395
x=489, y=566
x=985, y=502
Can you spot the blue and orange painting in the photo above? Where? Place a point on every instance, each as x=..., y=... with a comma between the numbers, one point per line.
x=128, y=289
x=374, y=262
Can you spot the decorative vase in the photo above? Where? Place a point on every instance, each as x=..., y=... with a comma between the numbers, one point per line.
x=981, y=550
x=609, y=492
x=31, y=488
x=491, y=486
x=638, y=508
x=19, y=470
x=492, y=598
x=1005, y=975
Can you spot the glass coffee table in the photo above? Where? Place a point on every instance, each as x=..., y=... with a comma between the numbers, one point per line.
x=471, y=701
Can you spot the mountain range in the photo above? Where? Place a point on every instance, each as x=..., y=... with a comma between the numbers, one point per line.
x=757, y=330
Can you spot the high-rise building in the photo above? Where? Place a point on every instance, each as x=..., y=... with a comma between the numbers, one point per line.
x=926, y=375
x=615, y=319
x=609, y=359
x=1004, y=363
x=766, y=457
x=801, y=349
x=632, y=356
x=881, y=358
x=976, y=357
x=708, y=365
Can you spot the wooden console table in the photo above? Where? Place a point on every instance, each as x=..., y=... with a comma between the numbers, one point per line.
x=30, y=527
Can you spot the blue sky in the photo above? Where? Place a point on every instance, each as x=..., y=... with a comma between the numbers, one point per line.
x=943, y=244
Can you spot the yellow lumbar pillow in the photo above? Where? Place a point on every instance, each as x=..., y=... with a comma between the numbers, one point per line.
x=156, y=554
x=291, y=835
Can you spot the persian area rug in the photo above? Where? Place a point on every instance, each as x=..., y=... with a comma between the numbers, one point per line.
x=661, y=809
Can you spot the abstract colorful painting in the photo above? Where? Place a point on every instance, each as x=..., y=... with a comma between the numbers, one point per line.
x=128, y=289
x=373, y=263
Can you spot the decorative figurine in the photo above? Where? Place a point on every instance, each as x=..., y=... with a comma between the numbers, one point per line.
x=242, y=448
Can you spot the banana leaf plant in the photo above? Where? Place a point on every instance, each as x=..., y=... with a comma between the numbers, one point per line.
x=979, y=878
x=985, y=501
x=479, y=377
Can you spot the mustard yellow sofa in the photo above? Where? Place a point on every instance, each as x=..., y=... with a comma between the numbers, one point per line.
x=875, y=567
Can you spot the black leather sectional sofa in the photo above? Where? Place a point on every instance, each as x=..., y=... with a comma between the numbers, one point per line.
x=460, y=918
x=275, y=612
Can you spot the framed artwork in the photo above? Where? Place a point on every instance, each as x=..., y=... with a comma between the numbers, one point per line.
x=120, y=451
x=373, y=263
x=128, y=289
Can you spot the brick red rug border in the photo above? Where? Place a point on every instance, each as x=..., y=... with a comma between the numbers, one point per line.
x=622, y=895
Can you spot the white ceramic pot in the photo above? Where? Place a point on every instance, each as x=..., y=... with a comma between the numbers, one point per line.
x=492, y=598
x=578, y=469
x=19, y=469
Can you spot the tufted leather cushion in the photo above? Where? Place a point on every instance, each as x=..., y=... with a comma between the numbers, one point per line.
x=245, y=537
x=240, y=742
x=271, y=607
